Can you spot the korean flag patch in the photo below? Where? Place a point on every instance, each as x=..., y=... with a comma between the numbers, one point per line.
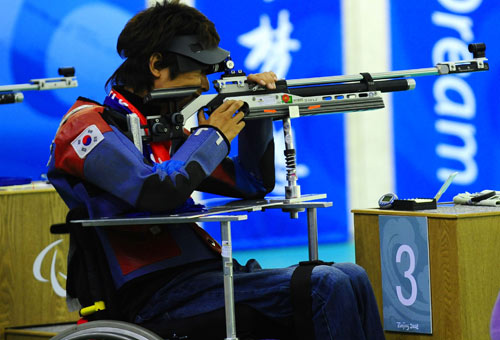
x=87, y=140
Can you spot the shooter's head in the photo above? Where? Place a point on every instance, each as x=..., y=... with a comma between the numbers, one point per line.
x=166, y=40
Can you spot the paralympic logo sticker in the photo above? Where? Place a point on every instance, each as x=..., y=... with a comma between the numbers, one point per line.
x=37, y=269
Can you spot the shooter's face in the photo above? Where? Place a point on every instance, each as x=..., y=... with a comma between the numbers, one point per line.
x=193, y=78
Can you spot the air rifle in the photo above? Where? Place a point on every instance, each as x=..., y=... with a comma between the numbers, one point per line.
x=13, y=93
x=311, y=96
x=346, y=93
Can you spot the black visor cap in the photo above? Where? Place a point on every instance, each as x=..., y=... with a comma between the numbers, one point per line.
x=189, y=46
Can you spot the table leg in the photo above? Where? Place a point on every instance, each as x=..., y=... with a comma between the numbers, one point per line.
x=227, y=262
x=312, y=230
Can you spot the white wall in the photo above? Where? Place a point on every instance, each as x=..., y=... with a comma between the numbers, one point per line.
x=369, y=140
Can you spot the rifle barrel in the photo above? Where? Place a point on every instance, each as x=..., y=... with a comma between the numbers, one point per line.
x=391, y=85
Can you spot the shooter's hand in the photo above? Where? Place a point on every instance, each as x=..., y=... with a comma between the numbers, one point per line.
x=267, y=79
x=225, y=119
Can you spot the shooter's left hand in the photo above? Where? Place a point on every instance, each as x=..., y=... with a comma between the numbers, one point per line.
x=267, y=79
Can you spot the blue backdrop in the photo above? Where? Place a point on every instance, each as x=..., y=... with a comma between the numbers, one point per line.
x=448, y=123
x=296, y=39
x=36, y=38
x=293, y=38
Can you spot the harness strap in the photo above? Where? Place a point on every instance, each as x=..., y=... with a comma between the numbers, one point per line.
x=300, y=286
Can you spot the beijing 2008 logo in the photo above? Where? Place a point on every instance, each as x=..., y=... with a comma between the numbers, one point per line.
x=37, y=269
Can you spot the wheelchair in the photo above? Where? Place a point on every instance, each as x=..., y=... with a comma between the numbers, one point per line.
x=216, y=325
x=107, y=329
x=209, y=326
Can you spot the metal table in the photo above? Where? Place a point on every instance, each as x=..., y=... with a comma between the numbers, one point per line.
x=219, y=214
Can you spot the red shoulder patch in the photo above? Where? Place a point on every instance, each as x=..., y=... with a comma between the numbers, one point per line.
x=66, y=157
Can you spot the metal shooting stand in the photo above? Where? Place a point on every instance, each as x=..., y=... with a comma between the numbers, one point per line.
x=219, y=214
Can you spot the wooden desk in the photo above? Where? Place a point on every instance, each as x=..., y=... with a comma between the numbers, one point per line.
x=464, y=255
x=25, y=218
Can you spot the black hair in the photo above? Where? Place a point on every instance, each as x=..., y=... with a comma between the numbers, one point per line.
x=151, y=31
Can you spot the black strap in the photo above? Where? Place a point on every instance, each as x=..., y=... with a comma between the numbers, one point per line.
x=300, y=287
x=59, y=228
x=77, y=213
x=368, y=80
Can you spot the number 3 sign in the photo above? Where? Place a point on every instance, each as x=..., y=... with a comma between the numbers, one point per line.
x=404, y=252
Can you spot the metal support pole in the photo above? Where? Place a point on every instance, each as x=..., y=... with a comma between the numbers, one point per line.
x=312, y=230
x=292, y=190
x=227, y=263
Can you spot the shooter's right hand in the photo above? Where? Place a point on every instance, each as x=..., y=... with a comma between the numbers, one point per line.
x=225, y=118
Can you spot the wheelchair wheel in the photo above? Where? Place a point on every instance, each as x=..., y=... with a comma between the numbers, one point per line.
x=107, y=329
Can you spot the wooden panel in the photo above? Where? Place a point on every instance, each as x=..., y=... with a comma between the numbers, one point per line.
x=446, y=319
x=442, y=211
x=446, y=305
x=367, y=248
x=479, y=274
x=25, y=218
x=465, y=279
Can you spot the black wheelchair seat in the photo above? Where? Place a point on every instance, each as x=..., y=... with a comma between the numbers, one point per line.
x=250, y=325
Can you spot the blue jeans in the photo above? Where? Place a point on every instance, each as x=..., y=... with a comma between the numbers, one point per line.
x=344, y=306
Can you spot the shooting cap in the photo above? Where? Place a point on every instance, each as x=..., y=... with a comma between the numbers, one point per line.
x=198, y=56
